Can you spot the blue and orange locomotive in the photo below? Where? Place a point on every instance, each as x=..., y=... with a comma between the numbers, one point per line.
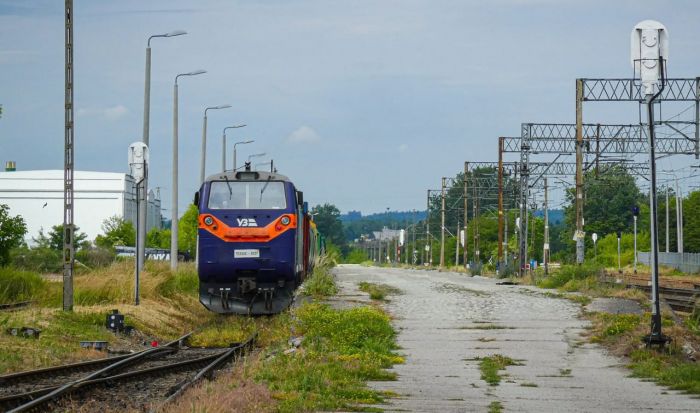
x=257, y=242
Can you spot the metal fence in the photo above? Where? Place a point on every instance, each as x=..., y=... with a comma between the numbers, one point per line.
x=686, y=261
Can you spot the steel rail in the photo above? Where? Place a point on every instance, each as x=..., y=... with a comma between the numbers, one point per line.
x=13, y=378
x=65, y=389
x=208, y=371
x=89, y=384
x=12, y=306
x=680, y=299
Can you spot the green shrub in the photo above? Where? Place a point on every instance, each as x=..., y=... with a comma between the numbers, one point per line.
x=320, y=283
x=185, y=281
x=616, y=324
x=568, y=273
x=356, y=256
x=43, y=260
x=607, y=248
x=16, y=285
x=96, y=257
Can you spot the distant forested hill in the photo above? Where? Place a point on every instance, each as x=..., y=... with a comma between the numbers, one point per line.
x=357, y=224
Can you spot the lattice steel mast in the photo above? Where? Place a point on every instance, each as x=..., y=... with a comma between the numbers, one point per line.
x=68, y=207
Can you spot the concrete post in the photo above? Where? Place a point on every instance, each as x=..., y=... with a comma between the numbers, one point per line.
x=174, y=200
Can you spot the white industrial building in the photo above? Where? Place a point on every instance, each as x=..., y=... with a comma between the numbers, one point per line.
x=38, y=197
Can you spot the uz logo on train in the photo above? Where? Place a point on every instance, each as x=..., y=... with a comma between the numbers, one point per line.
x=246, y=222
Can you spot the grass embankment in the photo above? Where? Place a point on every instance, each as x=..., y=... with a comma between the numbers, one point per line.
x=674, y=367
x=378, y=291
x=340, y=351
x=622, y=333
x=320, y=283
x=169, y=307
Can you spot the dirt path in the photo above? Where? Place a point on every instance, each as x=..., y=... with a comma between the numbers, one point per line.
x=446, y=321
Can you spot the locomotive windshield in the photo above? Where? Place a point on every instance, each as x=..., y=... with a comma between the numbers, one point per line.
x=247, y=195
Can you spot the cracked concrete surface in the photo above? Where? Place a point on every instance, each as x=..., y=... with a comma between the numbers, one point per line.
x=446, y=321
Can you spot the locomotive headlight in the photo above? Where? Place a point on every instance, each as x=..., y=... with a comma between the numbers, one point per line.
x=285, y=220
x=208, y=221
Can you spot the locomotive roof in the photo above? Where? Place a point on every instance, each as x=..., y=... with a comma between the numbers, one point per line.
x=247, y=176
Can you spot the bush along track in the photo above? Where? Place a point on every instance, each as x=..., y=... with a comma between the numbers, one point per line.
x=313, y=358
x=676, y=366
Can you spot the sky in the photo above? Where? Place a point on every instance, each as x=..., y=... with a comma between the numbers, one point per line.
x=363, y=104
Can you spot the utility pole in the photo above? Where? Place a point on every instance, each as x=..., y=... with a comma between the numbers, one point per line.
x=579, y=234
x=500, y=199
x=428, y=249
x=522, y=228
x=545, y=253
x=174, y=189
x=505, y=239
x=465, y=179
x=68, y=168
x=442, y=226
x=668, y=238
x=457, y=245
x=636, y=213
x=534, y=209
x=679, y=218
x=475, y=225
x=414, y=252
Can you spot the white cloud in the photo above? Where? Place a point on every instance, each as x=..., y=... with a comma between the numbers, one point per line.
x=111, y=113
x=403, y=147
x=304, y=134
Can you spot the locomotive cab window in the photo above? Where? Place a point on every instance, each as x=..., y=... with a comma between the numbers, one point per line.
x=247, y=195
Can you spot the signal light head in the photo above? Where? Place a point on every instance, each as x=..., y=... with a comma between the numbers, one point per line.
x=285, y=220
x=208, y=221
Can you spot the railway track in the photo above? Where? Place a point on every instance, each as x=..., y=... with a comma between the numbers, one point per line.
x=679, y=299
x=139, y=381
x=13, y=306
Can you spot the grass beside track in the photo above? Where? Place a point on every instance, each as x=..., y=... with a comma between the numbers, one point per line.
x=320, y=283
x=169, y=307
x=340, y=351
x=622, y=333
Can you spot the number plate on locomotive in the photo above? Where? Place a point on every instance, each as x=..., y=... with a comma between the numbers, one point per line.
x=246, y=253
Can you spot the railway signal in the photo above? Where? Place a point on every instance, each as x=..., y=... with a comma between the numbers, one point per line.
x=138, y=167
x=649, y=49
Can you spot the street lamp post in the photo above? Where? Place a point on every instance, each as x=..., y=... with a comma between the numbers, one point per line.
x=223, y=146
x=235, y=155
x=263, y=164
x=204, y=140
x=255, y=155
x=173, y=207
x=143, y=207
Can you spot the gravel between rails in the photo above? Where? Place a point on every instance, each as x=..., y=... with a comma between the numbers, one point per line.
x=140, y=393
x=32, y=383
